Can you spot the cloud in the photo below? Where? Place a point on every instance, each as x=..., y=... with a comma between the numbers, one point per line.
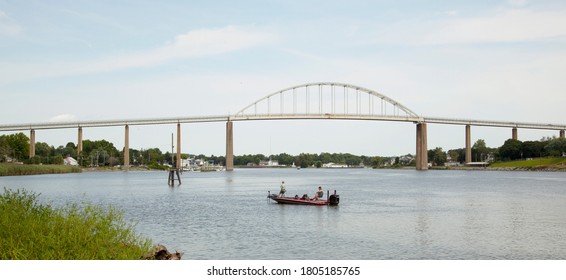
x=517, y=25
x=7, y=25
x=517, y=2
x=63, y=118
x=196, y=43
x=193, y=44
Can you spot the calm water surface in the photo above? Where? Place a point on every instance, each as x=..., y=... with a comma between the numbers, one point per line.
x=383, y=214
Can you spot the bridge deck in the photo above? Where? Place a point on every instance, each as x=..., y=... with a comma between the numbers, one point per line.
x=197, y=119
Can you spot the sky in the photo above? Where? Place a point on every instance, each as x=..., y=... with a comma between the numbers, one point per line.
x=105, y=60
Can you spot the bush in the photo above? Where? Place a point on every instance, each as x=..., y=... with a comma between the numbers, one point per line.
x=33, y=231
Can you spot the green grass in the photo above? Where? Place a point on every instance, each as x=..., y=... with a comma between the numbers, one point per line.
x=33, y=231
x=534, y=163
x=7, y=169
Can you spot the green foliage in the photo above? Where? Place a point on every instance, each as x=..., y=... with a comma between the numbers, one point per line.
x=511, y=150
x=437, y=156
x=99, y=153
x=14, y=146
x=532, y=149
x=33, y=231
x=303, y=160
x=8, y=169
x=556, y=146
x=534, y=163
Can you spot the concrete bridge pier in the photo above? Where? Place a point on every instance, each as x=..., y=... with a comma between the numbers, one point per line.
x=31, y=143
x=229, y=146
x=178, y=165
x=127, y=148
x=514, y=134
x=422, y=150
x=468, y=144
x=561, y=133
x=80, y=142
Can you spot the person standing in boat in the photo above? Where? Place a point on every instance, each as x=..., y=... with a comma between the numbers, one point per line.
x=319, y=194
x=283, y=189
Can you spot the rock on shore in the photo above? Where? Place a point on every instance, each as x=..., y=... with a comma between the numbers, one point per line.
x=159, y=252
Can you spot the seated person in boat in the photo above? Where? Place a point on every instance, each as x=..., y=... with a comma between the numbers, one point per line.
x=283, y=189
x=319, y=194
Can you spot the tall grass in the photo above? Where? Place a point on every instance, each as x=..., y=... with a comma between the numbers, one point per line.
x=534, y=163
x=30, y=230
x=7, y=169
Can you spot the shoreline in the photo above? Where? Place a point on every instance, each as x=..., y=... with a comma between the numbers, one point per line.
x=530, y=169
x=26, y=170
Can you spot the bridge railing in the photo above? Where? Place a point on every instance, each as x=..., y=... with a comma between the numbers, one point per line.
x=493, y=123
x=102, y=123
x=326, y=116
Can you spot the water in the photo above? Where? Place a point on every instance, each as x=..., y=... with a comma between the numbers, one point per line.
x=383, y=214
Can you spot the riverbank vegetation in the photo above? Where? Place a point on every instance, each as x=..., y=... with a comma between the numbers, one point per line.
x=10, y=169
x=533, y=164
x=515, y=152
x=30, y=230
x=101, y=153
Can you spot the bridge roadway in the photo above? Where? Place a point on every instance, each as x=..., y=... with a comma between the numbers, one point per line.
x=225, y=118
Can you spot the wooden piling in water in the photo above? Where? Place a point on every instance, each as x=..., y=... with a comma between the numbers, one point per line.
x=171, y=179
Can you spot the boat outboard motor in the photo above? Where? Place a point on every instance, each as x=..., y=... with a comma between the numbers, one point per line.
x=334, y=199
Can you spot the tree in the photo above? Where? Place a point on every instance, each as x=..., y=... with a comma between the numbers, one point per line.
x=284, y=159
x=455, y=155
x=377, y=161
x=511, y=150
x=531, y=149
x=153, y=156
x=43, y=149
x=479, y=150
x=437, y=156
x=15, y=145
x=556, y=147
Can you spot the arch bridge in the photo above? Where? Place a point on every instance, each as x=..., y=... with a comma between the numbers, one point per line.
x=328, y=100
x=323, y=100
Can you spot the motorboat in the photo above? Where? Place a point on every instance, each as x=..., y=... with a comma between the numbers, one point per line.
x=332, y=200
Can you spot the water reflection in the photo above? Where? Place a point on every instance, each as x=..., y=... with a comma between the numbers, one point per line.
x=423, y=223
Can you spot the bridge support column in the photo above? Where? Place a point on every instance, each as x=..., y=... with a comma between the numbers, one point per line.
x=178, y=146
x=32, y=143
x=422, y=150
x=80, y=142
x=229, y=146
x=514, y=134
x=562, y=133
x=127, y=148
x=468, y=144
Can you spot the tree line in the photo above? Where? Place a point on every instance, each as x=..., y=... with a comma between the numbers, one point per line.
x=15, y=147
x=510, y=150
x=104, y=153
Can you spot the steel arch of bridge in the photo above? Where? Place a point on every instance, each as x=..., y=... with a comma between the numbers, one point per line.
x=327, y=100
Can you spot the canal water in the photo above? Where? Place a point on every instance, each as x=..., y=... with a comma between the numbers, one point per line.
x=383, y=214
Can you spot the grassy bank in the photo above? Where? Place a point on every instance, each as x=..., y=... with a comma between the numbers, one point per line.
x=33, y=231
x=7, y=169
x=534, y=164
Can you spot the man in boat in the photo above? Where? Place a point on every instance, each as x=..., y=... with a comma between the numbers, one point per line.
x=283, y=189
x=319, y=194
